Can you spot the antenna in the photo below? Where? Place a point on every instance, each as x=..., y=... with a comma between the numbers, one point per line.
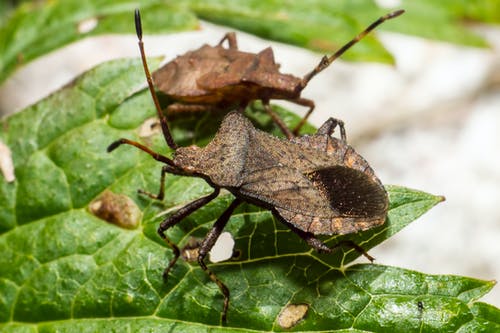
x=163, y=120
x=326, y=61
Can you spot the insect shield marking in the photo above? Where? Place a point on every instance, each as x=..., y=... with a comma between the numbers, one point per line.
x=215, y=78
x=297, y=180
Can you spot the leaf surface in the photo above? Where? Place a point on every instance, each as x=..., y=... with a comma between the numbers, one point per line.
x=64, y=269
x=39, y=27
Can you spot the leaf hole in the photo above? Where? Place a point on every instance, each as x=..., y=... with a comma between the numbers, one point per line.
x=223, y=248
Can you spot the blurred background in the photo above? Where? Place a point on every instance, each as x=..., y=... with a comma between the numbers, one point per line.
x=431, y=122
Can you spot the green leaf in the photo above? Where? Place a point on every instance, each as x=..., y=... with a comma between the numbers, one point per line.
x=63, y=269
x=39, y=27
x=465, y=10
x=442, y=20
x=319, y=25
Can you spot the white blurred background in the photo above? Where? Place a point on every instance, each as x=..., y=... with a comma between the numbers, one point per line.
x=431, y=122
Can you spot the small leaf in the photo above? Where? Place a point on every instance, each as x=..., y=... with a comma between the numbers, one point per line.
x=63, y=269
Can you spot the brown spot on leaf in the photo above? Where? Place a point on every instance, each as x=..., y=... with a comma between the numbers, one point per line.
x=292, y=314
x=149, y=127
x=116, y=209
x=190, y=251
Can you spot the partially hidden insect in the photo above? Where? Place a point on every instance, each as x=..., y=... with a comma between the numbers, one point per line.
x=215, y=78
x=314, y=184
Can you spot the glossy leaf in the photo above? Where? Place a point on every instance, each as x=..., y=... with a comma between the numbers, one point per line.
x=39, y=27
x=63, y=269
x=323, y=26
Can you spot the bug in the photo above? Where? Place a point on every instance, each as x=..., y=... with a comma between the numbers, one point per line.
x=314, y=184
x=215, y=77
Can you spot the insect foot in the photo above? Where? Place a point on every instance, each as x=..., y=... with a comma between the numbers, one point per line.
x=314, y=184
x=220, y=78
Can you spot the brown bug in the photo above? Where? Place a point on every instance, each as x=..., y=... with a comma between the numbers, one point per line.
x=314, y=184
x=214, y=77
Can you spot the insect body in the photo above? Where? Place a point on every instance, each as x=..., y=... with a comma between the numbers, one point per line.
x=314, y=184
x=215, y=77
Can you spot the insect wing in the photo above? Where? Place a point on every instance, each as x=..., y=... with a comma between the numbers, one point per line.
x=315, y=190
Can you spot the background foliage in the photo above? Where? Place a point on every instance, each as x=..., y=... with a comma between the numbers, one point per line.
x=38, y=27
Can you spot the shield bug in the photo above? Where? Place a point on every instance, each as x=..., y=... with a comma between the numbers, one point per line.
x=215, y=77
x=314, y=184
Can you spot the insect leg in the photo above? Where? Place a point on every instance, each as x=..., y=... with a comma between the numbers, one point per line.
x=176, y=108
x=326, y=61
x=207, y=245
x=307, y=236
x=161, y=194
x=329, y=126
x=155, y=155
x=277, y=120
x=176, y=218
x=163, y=120
x=354, y=246
x=318, y=245
x=231, y=40
x=303, y=102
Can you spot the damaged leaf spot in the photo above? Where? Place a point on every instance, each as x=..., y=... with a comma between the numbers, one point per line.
x=116, y=209
x=292, y=314
x=149, y=127
x=221, y=251
x=223, y=248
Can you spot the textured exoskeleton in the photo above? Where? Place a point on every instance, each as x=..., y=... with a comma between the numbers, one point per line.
x=215, y=77
x=316, y=183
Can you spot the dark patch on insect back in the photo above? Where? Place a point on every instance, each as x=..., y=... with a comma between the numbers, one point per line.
x=350, y=192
